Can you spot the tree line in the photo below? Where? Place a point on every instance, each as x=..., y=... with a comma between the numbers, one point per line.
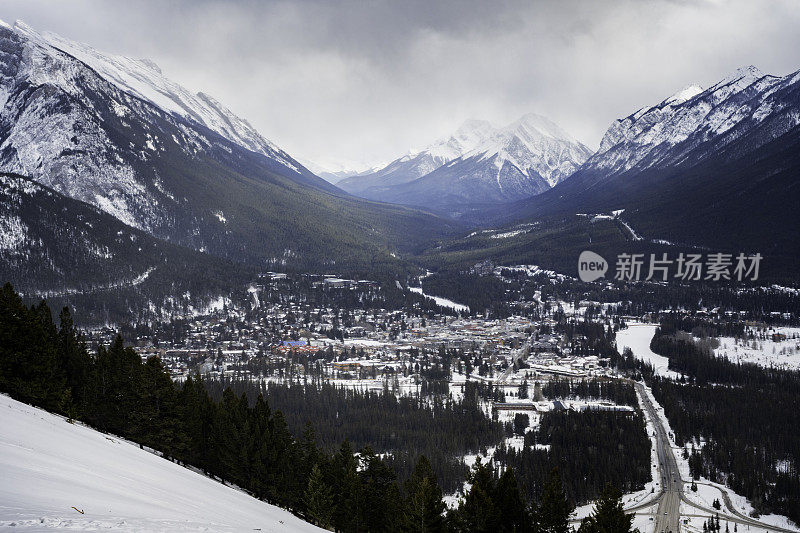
x=400, y=429
x=614, y=390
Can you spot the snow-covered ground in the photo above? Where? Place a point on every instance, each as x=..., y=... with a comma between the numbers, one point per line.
x=707, y=492
x=637, y=337
x=783, y=354
x=443, y=302
x=48, y=465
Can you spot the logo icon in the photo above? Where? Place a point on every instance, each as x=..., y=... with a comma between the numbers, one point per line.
x=591, y=266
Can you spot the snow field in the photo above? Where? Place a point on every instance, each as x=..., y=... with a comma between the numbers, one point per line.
x=48, y=465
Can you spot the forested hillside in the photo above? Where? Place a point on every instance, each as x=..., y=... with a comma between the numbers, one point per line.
x=69, y=251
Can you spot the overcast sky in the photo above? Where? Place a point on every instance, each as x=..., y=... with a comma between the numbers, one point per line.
x=364, y=82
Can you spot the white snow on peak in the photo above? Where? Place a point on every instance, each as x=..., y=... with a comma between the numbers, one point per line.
x=467, y=137
x=736, y=82
x=534, y=145
x=142, y=78
x=342, y=167
x=664, y=134
x=745, y=75
x=684, y=95
x=541, y=125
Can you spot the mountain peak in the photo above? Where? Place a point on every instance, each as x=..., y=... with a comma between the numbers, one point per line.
x=21, y=28
x=749, y=70
x=690, y=120
x=742, y=77
x=685, y=94
x=20, y=24
x=478, y=164
x=149, y=63
x=533, y=122
x=142, y=78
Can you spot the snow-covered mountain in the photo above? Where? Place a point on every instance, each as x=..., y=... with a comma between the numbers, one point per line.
x=144, y=79
x=716, y=167
x=50, y=467
x=115, y=133
x=478, y=164
x=64, y=104
x=418, y=163
x=338, y=171
x=695, y=123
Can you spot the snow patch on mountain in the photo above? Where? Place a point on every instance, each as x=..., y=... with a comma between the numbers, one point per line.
x=533, y=144
x=12, y=232
x=478, y=163
x=467, y=137
x=684, y=95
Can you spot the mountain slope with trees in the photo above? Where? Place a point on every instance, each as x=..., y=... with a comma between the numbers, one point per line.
x=69, y=251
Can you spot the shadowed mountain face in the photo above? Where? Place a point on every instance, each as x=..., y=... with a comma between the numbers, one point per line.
x=113, y=132
x=718, y=167
x=478, y=165
x=73, y=253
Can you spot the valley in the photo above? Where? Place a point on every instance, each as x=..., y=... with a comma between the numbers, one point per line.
x=504, y=329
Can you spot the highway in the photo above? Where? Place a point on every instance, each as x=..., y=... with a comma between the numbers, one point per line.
x=515, y=358
x=668, y=515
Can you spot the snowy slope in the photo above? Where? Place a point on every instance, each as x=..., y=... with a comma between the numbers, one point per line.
x=143, y=78
x=694, y=123
x=479, y=163
x=97, y=128
x=637, y=337
x=535, y=146
x=48, y=465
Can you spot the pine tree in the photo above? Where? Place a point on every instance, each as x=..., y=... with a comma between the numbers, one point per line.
x=513, y=514
x=381, y=496
x=608, y=515
x=29, y=368
x=74, y=364
x=347, y=489
x=554, y=510
x=318, y=499
x=424, y=507
x=478, y=513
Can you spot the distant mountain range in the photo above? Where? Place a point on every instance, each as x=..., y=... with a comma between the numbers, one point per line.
x=95, y=147
x=478, y=165
x=115, y=133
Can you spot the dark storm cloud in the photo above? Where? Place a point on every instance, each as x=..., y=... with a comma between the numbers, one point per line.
x=365, y=81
